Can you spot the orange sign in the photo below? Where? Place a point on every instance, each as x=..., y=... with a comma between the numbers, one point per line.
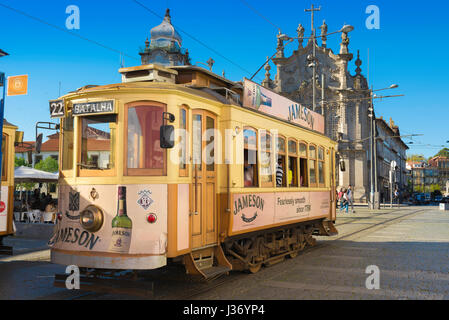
x=17, y=85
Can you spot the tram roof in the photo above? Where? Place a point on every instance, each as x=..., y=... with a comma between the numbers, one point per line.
x=204, y=92
x=6, y=123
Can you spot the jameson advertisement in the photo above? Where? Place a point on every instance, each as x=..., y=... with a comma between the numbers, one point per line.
x=264, y=100
x=252, y=211
x=124, y=229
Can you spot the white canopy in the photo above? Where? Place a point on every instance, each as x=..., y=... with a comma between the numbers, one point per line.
x=26, y=174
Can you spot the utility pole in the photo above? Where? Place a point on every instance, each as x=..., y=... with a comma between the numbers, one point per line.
x=371, y=151
x=312, y=10
x=322, y=95
x=2, y=110
x=376, y=189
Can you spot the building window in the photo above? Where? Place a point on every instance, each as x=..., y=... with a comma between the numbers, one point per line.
x=94, y=159
x=144, y=153
x=250, y=168
x=292, y=163
x=37, y=159
x=303, y=166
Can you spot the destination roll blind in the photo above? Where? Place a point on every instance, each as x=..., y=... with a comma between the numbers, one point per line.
x=100, y=107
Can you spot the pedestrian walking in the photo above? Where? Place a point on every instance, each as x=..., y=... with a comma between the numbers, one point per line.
x=396, y=196
x=350, y=195
x=344, y=201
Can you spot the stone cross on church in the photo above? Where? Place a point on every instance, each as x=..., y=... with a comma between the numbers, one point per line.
x=345, y=104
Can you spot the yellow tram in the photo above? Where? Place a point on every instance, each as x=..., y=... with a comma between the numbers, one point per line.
x=175, y=165
x=7, y=188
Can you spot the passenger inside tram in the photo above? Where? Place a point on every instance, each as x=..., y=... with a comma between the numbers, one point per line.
x=280, y=172
x=249, y=171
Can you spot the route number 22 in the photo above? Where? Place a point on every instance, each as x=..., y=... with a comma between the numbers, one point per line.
x=57, y=109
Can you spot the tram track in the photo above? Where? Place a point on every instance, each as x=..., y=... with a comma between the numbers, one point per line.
x=319, y=246
x=196, y=288
x=352, y=219
x=383, y=224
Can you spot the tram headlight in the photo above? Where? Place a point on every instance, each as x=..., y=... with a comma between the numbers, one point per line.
x=92, y=218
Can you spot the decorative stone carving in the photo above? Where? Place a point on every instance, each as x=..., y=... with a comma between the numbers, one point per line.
x=300, y=32
x=345, y=121
x=280, y=46
x=344, y=43
x=324, y=34
x=267, y=83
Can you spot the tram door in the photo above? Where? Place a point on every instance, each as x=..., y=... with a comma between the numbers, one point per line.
x=203, y=219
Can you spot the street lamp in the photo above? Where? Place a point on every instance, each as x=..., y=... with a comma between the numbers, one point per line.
x=374, y=196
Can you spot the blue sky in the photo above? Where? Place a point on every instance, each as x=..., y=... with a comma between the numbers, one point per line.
x=410, y=49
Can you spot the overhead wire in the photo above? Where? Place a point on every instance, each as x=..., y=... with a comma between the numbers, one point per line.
x=260, y=14
x=193, y=38
x=66, y=31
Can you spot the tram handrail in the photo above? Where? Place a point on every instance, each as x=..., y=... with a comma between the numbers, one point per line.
x=86, y=166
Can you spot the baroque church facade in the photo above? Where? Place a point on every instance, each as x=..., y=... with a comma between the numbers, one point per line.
x=346, y=95
x=345, y=104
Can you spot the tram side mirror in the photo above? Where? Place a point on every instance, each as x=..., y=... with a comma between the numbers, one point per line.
x=167, y=137
x=342, y=166
x=39, y=143
x=18, y=138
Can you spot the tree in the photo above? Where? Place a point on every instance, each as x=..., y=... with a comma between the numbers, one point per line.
x=416, y=157
x=21, y=162
x=443, y=153
x=48, y=165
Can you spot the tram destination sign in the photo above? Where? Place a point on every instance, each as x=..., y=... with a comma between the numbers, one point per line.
x=269, y=102
x=97, y=107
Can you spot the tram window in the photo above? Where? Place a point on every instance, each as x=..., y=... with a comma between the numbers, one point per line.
x=183, y=140
x=312, y=165
x=250, y=158
x=210, y=144
x=281, y=176
x=144, y=150
x=4, y=158
x=292, y=164
x=266, y=161
x=198, y=142
x=321, y=166
x=303, y=165
x=67, y=143
x=97, y=142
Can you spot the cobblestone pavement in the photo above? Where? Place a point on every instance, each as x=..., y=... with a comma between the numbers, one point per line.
x=409, y=246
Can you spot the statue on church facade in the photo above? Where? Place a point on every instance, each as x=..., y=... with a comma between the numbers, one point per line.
x=344, y=43
x=280, y=46
x=324, y=34
x=300, y=32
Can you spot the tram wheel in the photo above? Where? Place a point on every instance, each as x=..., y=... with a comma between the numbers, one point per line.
x=293, y=254
x=255, y=269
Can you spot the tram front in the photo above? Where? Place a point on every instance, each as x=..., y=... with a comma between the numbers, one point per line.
x=113, y=195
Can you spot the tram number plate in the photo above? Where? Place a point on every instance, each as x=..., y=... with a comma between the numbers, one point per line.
x=57, y=109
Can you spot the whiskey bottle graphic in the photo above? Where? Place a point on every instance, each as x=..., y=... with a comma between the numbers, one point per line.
x=121, y=226
x=260, y=99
